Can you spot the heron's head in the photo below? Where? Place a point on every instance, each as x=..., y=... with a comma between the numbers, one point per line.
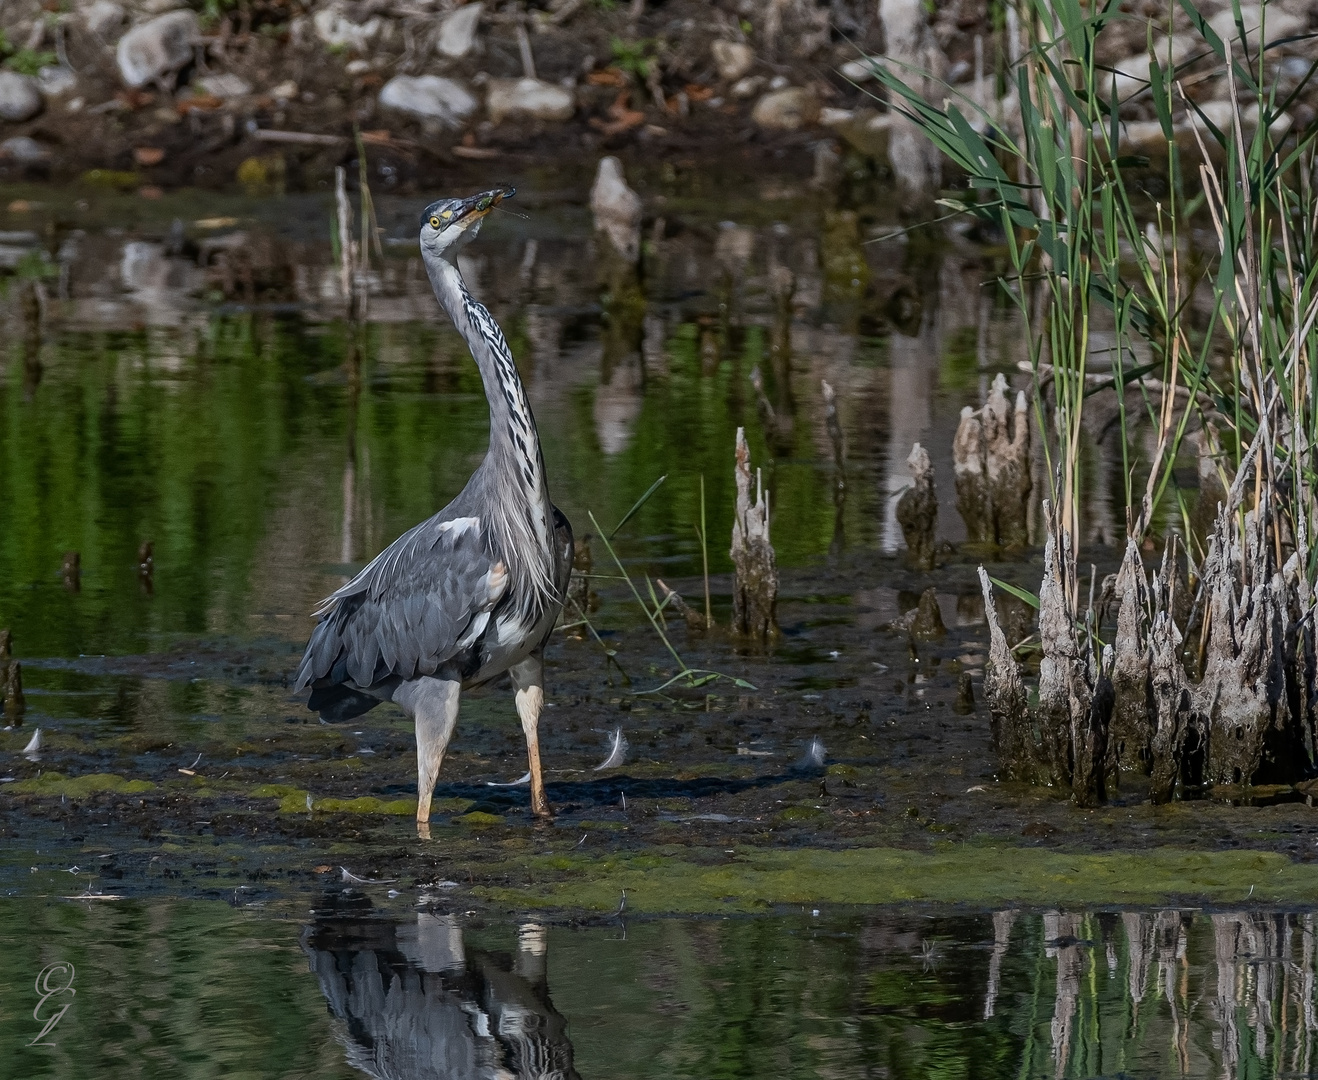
x=448, y=224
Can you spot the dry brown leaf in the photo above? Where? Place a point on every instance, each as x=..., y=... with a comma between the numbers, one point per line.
x=610, y=76
x=201, y=101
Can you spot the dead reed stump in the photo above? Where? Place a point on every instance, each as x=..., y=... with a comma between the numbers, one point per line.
x=15, y=703
x=917, y=511
x=1075, y=693
x=1133, y=711
x=1250, y=718
x=991, y=457
x=1008, y=702
x=755, y=586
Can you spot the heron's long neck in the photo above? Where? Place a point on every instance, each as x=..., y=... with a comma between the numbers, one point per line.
x=513, y=438
x=514, y=465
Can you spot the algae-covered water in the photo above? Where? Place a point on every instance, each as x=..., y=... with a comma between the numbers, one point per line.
x=239, y=890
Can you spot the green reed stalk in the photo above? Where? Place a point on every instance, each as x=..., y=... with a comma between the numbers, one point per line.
x=1086, y=250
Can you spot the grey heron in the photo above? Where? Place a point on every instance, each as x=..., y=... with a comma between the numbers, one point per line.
x=473, y=591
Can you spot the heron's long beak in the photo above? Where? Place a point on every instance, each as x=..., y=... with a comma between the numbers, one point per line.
x=477, y=206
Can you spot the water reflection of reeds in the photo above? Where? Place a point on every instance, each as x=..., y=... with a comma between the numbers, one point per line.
x=1182, y=993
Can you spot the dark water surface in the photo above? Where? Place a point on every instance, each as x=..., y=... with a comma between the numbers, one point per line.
x=193, y=988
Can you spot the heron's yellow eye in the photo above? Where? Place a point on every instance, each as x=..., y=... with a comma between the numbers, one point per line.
x=434, y=223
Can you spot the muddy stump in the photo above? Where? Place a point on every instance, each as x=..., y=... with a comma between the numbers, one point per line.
x=581, y=598
x=917, y=511
x=755, y=586
x=1008, y=702
x=991, y=458
x=71, y=571
x=15, y=704
x=1133, y=712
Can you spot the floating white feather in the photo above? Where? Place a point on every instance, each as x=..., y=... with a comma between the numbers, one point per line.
x=813, y=758
x=617, y=752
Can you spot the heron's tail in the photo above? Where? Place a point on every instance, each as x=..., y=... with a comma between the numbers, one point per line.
x=337, y=702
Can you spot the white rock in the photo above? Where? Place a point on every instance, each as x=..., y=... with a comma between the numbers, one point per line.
x=357, y=67
x=1277, y=24
x=224, y=85
x=285, y=91
x=1219, y=113
x=1130, y=75
x=788, y=109
x=732, y=58
x=457, y=33
x=103, y=18
x=748, y=87
x=336, y=30
x=157, y=48
x=23, y=151
x=779, y=81
x=528, y=99
x=159, y=7
x=617, y=208
x=55, y=81
x=836, y=117
x=19, y=97
x=430, y=97
x=905, y=25
x=1278, y=129
x=859, y=71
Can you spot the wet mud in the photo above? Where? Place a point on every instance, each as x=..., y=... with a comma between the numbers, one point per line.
x=721, y=806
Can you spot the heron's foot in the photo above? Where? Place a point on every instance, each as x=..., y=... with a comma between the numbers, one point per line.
x=423, y=829
x=541, y=809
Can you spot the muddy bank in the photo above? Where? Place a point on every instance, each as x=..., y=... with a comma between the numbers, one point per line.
x=268, y=95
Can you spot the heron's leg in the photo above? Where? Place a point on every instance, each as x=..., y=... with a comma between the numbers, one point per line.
x=433, y=703
x=529, y=682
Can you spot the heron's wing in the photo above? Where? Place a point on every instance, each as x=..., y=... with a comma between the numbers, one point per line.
x=424, y=597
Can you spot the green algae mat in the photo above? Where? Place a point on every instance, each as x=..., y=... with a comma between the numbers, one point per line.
x=756, y=879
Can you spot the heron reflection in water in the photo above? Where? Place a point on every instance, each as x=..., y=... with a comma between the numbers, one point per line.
x=415, y=1002
x=473, y=591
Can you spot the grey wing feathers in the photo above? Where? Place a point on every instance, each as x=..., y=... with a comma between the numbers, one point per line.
x=406, y=612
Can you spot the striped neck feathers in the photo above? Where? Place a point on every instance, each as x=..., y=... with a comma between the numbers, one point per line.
x=519, y=515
